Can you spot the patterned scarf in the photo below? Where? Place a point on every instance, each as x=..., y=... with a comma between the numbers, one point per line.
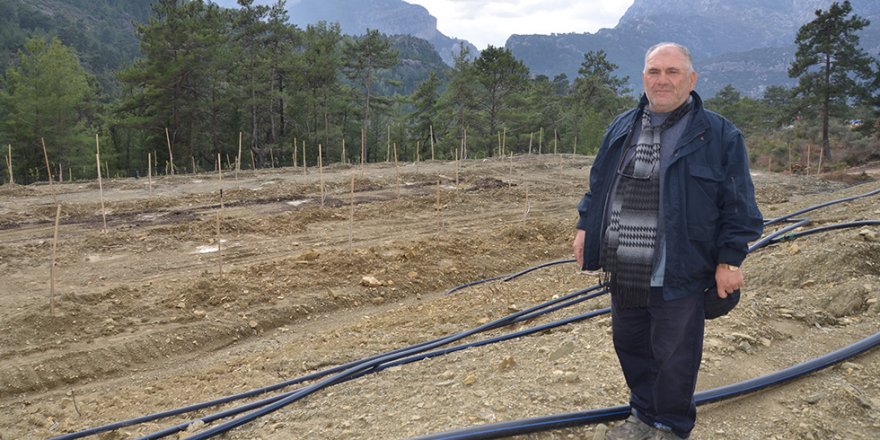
x=631, y=235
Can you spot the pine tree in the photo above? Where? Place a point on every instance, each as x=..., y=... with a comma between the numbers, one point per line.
x=365, y=56
x=459, y=103
x=47, y=94
x=597, y=96
x=829, y=63
x=503, y=78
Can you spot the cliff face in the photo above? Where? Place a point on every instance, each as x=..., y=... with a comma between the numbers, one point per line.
x=391, y=17
x=747, y=43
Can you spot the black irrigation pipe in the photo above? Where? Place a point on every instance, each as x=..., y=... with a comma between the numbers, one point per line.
x=822, y=205
x=430, y=344
x=507, y=277
x=540, y=266
x=766, y=240
x=253, y=405
x=568, y=420
x=313, y=376
x=420, y=356
x=472, y=283
x=345, y=375
x=825, y=228
x=215, y=402
x=367, y=366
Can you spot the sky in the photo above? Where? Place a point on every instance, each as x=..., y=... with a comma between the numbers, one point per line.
x=483, y=22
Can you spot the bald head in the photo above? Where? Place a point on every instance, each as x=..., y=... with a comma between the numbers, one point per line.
x=669, y=45
x=669, y=76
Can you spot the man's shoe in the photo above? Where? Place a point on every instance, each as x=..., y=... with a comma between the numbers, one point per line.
x=631, y=429
x=664, y=434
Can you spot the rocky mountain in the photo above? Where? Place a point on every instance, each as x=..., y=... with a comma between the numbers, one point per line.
x=391, y=17
x=101, y=31
x=746, y=43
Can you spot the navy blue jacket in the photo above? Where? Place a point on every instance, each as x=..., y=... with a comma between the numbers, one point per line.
x=709, y=209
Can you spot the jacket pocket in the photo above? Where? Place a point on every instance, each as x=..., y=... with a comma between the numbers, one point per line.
x=703, y=187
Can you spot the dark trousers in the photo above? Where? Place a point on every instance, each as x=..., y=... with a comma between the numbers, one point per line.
x=659, y=348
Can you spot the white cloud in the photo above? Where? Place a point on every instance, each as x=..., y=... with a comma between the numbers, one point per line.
x=492, y=22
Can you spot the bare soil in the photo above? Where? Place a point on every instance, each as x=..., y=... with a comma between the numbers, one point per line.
x=146, y=320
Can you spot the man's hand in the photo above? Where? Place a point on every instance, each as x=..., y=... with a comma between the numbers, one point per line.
x=727, y=280
x=578, y=247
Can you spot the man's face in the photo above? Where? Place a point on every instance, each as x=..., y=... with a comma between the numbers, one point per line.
x=668, y=80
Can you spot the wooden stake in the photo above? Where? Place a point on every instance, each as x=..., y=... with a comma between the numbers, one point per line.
x=351, y=213
x=503, y=142
x=555, y=142
x=253, y=163
x=510, y=173
x=170, y=155
x=528, y=203
x=541, y=141
x=574, y=149
x=219, y=219
x=150, y=171
x=431, y=131
x=321, y=171
x=49, y=171
x=295, y=148
x=52, y=267
x=272, y=157
x=418, y=154
x=821, y=156
x=363, y=148
x=437, y=209
x=305, y=166
x=464, y=151
x=531, y=135
x=388, y=145
x=9, y=164
x=396, y=170
x=809, y=157
x=100, y=183
x=238, y=159
x=457, y=167
x=342, y=159
x=789, y=158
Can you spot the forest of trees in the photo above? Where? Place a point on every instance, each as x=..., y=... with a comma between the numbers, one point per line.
x=208, y=77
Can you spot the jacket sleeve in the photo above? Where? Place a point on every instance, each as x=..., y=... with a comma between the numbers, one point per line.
x=741, y=220
x=583, y=208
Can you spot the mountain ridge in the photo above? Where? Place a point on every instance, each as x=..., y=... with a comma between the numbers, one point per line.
x=391, y=17
x=757, y=57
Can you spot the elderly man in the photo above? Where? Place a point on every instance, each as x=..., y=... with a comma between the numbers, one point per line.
x=668, y=217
